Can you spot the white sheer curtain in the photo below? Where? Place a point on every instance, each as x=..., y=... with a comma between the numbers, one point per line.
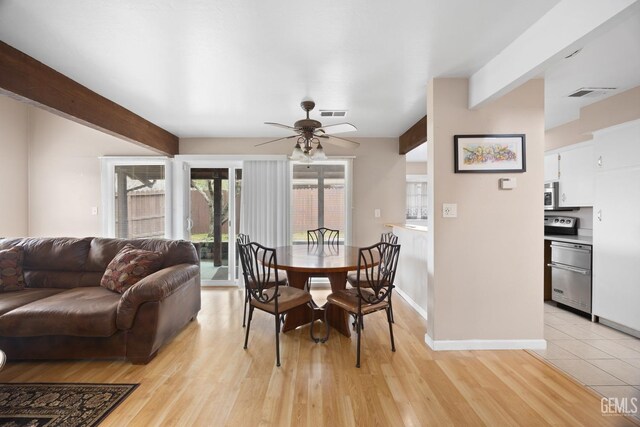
x=265, y=196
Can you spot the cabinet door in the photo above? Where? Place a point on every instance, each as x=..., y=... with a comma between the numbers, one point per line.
x=577, y=177
x=616, y=247
x=551, y=167
x=617, y=147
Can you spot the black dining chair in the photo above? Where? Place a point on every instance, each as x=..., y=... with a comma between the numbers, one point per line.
x=372, y=289
x=243, y=239
x=265, y=290
x=389, y=238
x=323, y=236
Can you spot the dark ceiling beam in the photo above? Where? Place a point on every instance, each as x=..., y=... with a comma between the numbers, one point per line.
x=26, y=79
x=415, y=136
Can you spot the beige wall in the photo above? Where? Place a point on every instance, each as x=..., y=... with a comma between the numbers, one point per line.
x=50, y=171
x=611, y=111
x=378, y=175
x=64, y=174
x=14, y=214
x=416, y=168
x=486, y=265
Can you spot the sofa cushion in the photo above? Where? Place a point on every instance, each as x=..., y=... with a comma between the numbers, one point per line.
x=128, y=267
x=59, y=253
x=103, y=250
x=84, y=312
x=13, y=300
x=11, y=277
x=61, y=279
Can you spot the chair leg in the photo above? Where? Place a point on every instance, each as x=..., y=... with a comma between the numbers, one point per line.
x=277, y=340
x=244, y=310
x=246, y=337
x=358, y=329
x=390, y=320
x=391, y=310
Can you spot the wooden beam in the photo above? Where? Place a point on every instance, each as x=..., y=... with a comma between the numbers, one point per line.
x=26, y=79
x=415, y=136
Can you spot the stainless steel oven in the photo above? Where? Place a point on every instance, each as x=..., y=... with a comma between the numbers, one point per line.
x=571, y=275
x=550, y=196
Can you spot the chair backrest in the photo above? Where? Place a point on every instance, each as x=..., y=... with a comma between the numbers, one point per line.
x=323, y=235
x=389, y=238
x=377, y=271
x=243, y=239
x=259, y=270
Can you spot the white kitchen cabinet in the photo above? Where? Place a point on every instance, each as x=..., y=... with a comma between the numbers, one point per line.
x=551, y=167
x=617, y=147
x=616, y=226
x=577, y=175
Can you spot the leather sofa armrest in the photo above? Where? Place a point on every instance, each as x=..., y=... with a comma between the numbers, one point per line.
x=153, y=288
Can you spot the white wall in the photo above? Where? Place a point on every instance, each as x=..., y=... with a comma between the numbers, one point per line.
x=485, y=266
x=378, y=174
x=14, y=150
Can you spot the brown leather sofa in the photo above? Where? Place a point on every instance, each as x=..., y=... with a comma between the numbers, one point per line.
x=64, y=313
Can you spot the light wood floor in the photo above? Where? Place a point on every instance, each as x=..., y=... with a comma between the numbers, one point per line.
x=205, y=378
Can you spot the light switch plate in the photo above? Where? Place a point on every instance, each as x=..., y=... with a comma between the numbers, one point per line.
x=376, y=213
x=449, y=210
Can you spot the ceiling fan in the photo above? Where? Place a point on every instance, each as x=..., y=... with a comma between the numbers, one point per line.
x=310, y=132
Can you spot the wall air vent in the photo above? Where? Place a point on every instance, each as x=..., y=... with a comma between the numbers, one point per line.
x=591, y=92
x=333, y=113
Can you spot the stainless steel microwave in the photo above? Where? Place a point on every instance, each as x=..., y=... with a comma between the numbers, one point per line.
x=550, y=196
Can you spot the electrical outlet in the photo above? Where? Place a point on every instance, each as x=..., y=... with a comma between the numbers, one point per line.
x=449, y=210
x=376, y=213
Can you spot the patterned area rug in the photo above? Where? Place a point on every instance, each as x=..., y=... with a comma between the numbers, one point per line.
x=59, y=404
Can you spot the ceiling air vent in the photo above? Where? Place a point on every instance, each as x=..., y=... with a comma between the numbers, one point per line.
x=333, y=113
x=591, y=92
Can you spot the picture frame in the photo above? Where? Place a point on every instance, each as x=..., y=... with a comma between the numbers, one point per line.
x=491, y=153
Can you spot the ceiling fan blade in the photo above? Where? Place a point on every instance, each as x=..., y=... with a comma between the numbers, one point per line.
x=279, y=125
x=274, y=140
x=336, y=140
x=340, y=128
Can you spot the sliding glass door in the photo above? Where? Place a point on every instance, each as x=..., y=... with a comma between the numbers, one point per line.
x=211, y=194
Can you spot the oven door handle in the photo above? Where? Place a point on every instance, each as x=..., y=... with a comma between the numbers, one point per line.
x=568, y=268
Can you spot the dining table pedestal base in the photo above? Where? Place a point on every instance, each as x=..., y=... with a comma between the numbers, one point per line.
x=337, y=318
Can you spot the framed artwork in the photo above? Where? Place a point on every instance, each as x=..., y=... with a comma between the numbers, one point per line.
x=489, y=153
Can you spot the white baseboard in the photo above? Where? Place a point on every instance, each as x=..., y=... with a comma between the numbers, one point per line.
x=444, y=345
x=421, y=311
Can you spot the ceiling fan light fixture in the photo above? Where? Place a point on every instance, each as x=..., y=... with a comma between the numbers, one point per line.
x=297, y=153
x=319, y=154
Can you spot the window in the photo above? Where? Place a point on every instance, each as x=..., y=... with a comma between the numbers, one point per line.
x=135, y=198
x=416, y=212
x=321, y=197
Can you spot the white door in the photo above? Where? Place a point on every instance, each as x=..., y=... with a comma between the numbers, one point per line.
x=616, y=247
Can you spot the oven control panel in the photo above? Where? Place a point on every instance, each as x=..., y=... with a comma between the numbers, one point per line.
x=560, y=221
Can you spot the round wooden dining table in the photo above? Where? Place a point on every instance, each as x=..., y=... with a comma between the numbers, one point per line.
x=304, y=261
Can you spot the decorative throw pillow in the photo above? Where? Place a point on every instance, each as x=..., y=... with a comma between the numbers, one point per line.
x=128, y=267
x=11, y=277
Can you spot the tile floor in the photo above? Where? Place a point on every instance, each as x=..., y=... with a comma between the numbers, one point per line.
x=602, y=358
